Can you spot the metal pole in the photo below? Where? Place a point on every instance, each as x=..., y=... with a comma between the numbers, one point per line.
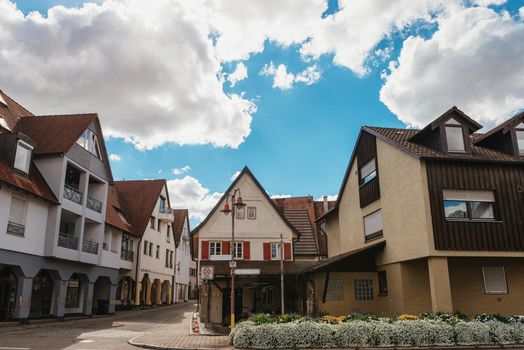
x=282, y=274
x=232, y=250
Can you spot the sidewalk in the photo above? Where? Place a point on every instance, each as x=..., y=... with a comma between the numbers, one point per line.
x=176, y=336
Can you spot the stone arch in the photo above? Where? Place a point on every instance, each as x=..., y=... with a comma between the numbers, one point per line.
x=76, y=294
x=102, y=295
x=156, y=291
x=166, y=292
x=125, y=292
x=144, y=297
x=43, y=293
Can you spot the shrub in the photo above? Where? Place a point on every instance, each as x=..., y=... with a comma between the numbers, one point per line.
x=354, y=334
x=355, y=316
x=384, y=335
x=516, y=319
x=451, y=319
x=472, y=333
x=492, y=317
x=332, y=319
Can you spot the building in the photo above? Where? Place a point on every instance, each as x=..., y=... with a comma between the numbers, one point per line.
x=261, y=227
x=428, y=220
x=183, y=256
x=54, y=176
x=147, y=209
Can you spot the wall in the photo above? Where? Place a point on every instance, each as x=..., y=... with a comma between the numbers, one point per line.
x=183, y=258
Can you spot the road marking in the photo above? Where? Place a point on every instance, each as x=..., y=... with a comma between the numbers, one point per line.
x=11, y=348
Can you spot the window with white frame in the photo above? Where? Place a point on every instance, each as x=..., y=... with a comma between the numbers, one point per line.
x=455, y=136
x=215, y=248
x=494, y=279
x=275, y=251
x=89, y=141
x=469, y=204
x=368, y=172
x=241, y=212
x=17, y=215
x=146, y=245
x=23, y=156
x=373, y=224
x=238, y=252
x=251, y=213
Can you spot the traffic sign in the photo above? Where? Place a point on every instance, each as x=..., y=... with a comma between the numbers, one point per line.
x=207, y=272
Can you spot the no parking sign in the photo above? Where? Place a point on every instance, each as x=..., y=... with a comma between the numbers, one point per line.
x=207, y=272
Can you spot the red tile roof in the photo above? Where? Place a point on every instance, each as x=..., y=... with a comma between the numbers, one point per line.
x=138, y=198
x=12, y=111
x=114, y=209
x=181, y=216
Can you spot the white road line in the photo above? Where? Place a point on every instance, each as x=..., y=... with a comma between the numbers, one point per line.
x=11, y=348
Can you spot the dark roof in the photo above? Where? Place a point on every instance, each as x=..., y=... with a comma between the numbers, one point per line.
x=33, y=183
x=138, y=198
x=12, y=111
x=230, y=188
x=113, y=209
x=181, y=216
x=504, y=127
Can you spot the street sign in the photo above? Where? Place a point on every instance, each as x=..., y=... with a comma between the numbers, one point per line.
x=207, y=272
x=232, y=264
x=247, y=271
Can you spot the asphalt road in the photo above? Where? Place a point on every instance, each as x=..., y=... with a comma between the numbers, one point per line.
x=94, y=333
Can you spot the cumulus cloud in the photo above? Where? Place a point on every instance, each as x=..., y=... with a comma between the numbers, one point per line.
x=284, y=80
x=473, y=61
x=240, y=73
x=276, y=195
x=189, y=193
x=148, y=68
x=115, y=157
x=235, y=175
x=180, y=171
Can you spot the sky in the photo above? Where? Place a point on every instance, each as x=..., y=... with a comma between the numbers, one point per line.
x=194, y=90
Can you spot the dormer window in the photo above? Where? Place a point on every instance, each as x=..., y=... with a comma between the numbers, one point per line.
x=454, y=136
x=89, y=141
x=23, y=156
x=520, y=138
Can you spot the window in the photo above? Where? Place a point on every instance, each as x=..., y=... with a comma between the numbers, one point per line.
x=161, y=202
x=494, y=279
x=145, y=247
x=171, y=259
x=107, y=239
x=275, y=251
x=241, y=214
x=382, y=283
x=251, y=213
x=215, y=248
x=23, y=156
x=455, y=139
x=158, y=252
x=469, y=204
x=73, y=292
x=150, y=249
x=368, y=172
x=152, y=222
x=373, y=224
x=237, y=250
x=17, y=211
x=167, y=257
x=89, y=141
x=520, y=138
x=363, y=290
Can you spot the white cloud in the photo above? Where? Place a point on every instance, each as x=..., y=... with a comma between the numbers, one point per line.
x=235, y=175
x=180, y=171
x=274, y=196
x=148, y=68
x=284, y=80
x=473, y=61
x=115, y=157
x=330, y=197
x=188, y=193
x=240, y=73
x=489, y=2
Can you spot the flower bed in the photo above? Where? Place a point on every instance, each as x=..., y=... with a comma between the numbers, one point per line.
x=263, y=332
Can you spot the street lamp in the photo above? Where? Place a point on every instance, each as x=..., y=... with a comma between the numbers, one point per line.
x=236, y=202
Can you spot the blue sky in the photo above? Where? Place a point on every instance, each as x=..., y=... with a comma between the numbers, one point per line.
x=301, y=137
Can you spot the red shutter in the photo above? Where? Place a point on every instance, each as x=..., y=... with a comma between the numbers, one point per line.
x=267, y=251
x=225, y=248
x=205, y=250
x=287, y=251
x=247, y=252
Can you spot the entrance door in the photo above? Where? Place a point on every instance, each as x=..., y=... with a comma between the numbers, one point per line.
x=8, y=283
x=41, y=295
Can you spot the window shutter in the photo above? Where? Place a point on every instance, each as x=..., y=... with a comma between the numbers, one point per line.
x=267, y=251
x=17, y=211
x=225, y=248
x=287, y=251
x=205, y=250
x=247, y=252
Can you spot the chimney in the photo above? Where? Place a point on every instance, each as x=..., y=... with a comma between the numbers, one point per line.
x=325, y=200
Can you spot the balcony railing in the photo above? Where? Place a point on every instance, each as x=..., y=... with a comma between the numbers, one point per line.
x=165, y=210
x=73, y=194
x=94, y=204
x=67, y=241
x=15, y=229
x=90, y=247
x=127, y=255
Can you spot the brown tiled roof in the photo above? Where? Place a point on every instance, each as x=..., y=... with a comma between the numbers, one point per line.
x=56, y=133
x=319, y=211
x=138, y=198
x=502, y=127
x=12, y=112
x=33, y=183
x=181, y=216
x=114, y=207
x=400, y=138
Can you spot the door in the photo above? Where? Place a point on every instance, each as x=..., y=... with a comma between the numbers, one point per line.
x=41, y=295
x=8, y=284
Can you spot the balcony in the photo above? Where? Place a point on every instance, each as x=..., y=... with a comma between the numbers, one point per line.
x=127, y=255
x=165, y=214
x=67, y=241
x=73, y=194
x=90, y=247
x=94, y=204
x=15, y=229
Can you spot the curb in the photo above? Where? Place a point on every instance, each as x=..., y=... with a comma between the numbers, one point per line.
x=146, y=346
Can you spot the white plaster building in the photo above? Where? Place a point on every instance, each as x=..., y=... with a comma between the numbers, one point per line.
x=183, y=256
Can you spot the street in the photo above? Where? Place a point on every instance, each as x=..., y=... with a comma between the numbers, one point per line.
x=96, y=333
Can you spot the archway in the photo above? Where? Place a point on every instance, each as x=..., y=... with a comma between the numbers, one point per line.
x=8, y=286
x=76, y=293
x=125, y=291
x=166, y=287
x=145, y=297
x=42, y=294
x=155, y=292
x=101, y=295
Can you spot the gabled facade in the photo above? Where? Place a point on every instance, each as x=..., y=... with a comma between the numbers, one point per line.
x=427, y=220
x=183, y=258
